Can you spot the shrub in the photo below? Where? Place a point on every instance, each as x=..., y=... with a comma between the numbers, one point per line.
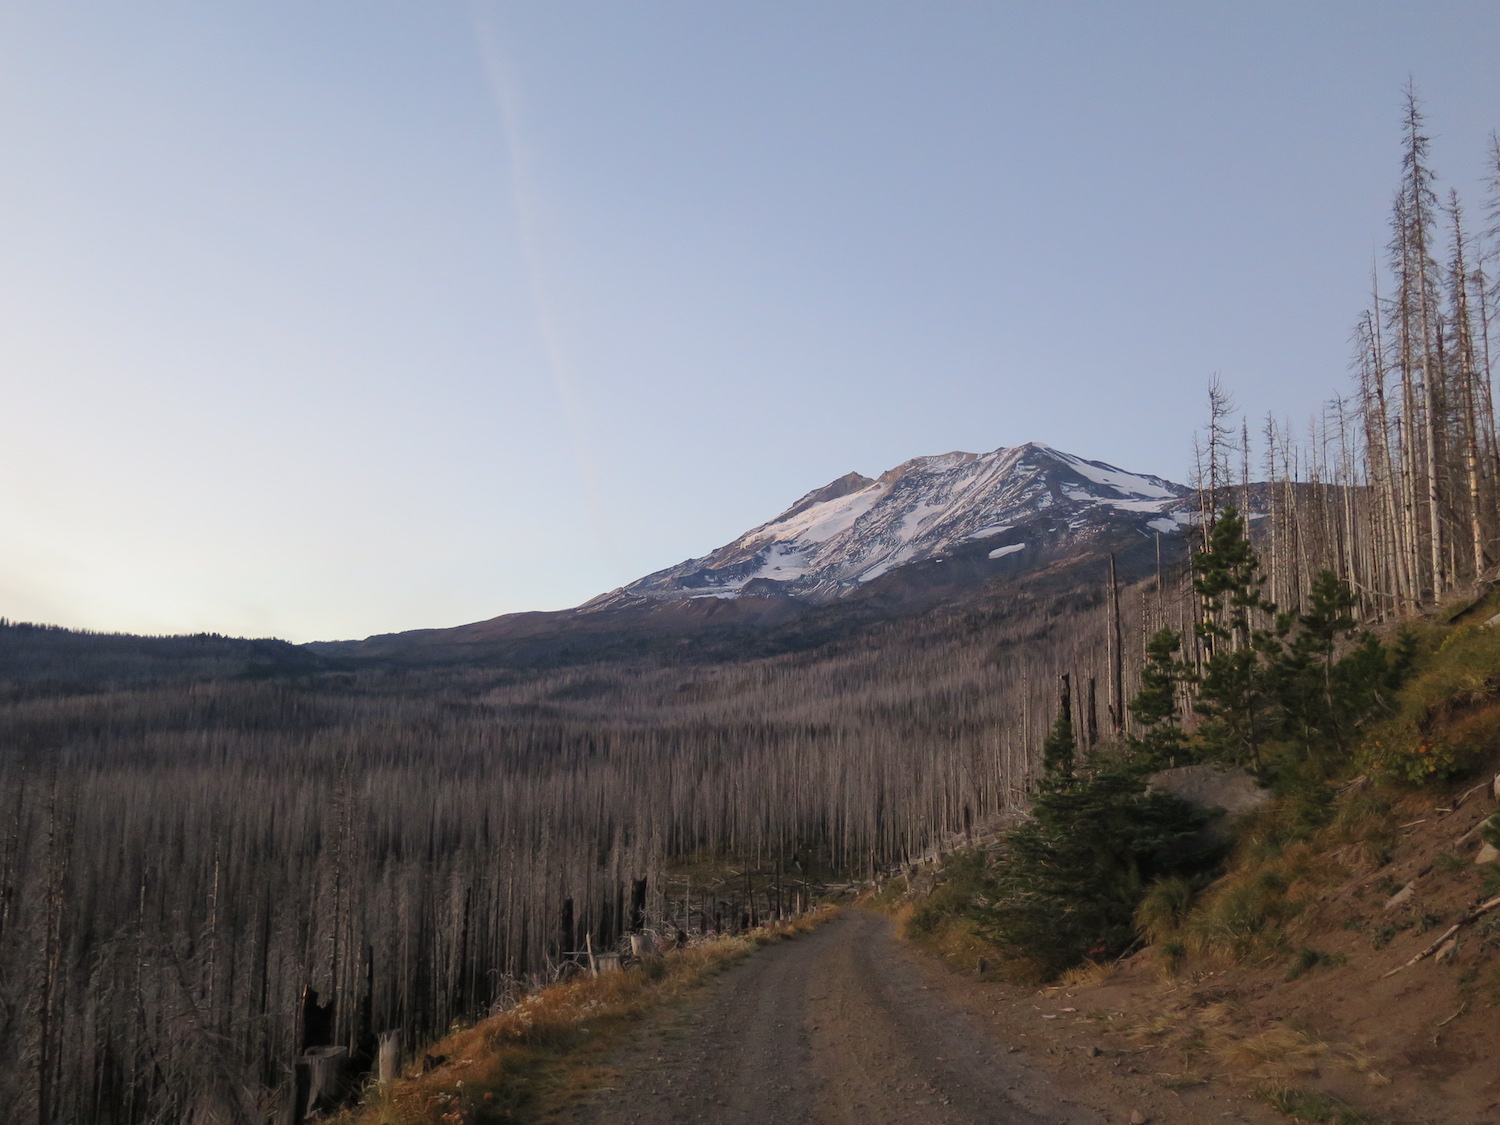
x=1306, y=959
x=1489, y=881
x=1172, y=952
x=964, y=880
x=1447, y=718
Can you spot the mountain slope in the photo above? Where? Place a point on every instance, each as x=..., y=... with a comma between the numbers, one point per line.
x=855, y=530
x=932, y=529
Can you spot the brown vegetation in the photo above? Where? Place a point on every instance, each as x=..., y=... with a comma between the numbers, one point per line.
x=546, y=1048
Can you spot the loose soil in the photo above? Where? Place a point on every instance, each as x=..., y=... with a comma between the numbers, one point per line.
x=848, y=1025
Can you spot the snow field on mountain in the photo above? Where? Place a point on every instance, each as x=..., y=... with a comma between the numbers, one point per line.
x=925, y=508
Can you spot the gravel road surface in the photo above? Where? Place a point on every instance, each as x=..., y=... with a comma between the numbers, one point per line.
x=838, y=1026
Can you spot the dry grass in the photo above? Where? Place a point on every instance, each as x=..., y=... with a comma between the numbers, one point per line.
x=889, y=898
x=1089, y=974
x=548, y=1048
x=1170, y=1022
x=1277, y=1055
x=1214, y=1037
x=1270, y=896
x=1163, y=909
x=1448, y=716
x=1244, y=915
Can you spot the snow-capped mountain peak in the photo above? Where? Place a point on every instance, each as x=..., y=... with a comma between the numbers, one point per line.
x=854, y=530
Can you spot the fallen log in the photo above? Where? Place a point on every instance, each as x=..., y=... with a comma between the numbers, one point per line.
x=1478, y=912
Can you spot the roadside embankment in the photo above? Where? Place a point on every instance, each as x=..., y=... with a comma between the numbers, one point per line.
x=1350, y=976
x=1333, y=953
x=545, y=1050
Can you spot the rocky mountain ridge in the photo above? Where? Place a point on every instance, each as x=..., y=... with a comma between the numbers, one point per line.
x=855, y=530
x=857, y=551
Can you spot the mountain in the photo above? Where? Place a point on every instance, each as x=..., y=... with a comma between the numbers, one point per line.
x=849, y=555
x=1027, y=500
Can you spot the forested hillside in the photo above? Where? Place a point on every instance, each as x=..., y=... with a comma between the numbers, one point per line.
x=1412, y=448
x=182, y=858
x=197, y=834
x=1344, y=659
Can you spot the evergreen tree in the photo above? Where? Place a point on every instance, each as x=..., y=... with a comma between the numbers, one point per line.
x=1097, y=837
x=1061, y=745
x=1304, y=673
x=1242, y=633
x=1163, y=743
x=1323, y=697
x=1078, y=869
x=1227, y=576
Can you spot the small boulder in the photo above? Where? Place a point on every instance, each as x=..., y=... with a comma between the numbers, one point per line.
x=1488, y=854
x=1401, y=896
x=1227, y=792
x=1209, y=787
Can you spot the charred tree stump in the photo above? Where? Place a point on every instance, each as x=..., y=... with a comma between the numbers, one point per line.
x=294, y=1108
x=388, y=1058
x=318, y=1083
x=638, y=904
x=325, y=1068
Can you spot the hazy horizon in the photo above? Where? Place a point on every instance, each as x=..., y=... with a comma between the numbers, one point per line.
x=329, y=322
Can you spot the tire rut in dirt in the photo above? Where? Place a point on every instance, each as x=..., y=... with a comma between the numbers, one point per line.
x=906, y=1055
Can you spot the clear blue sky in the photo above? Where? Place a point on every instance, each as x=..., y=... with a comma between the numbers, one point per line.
x=325, y=319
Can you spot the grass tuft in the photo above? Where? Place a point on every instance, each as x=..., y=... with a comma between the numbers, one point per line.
x=1245, y=914
x=1278, y=1054
x=1163, y=909
x=1089, y=974
x=1312, y=1106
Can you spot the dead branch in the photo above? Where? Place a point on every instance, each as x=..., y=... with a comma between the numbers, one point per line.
x=1477, y=912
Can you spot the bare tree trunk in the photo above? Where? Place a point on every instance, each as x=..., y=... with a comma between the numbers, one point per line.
x=1116, y=655
x=1092, y=728
x=49, y=983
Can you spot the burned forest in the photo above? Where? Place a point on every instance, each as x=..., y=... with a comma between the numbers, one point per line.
x=196, y=862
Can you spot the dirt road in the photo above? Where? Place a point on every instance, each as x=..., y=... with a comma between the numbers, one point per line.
x=840, y=1026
